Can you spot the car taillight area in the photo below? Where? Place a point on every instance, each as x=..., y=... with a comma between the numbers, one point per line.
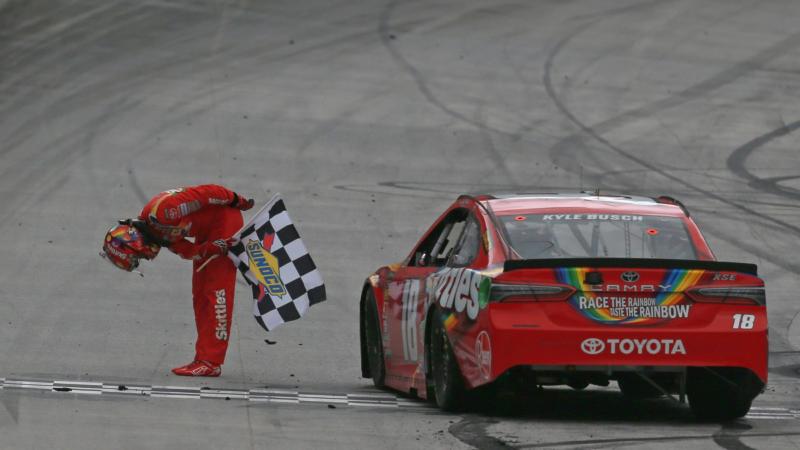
x=507, y=292
x=629, y=296
x=734, y=295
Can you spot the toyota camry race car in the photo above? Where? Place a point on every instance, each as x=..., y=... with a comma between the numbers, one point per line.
x=572, y=289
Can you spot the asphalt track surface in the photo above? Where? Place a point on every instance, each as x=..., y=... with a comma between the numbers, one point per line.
x=370, y=117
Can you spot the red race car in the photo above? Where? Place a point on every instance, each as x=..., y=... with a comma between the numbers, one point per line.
x=573, y=289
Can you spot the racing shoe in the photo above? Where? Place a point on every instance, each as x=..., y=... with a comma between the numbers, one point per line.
x=198, y=369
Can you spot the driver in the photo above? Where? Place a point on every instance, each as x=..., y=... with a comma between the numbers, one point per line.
x=210, y=214
x=532, y=240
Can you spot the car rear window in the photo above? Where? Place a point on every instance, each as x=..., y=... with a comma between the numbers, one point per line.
x=597, y=235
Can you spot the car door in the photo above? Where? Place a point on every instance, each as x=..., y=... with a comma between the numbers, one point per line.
x=407, y=294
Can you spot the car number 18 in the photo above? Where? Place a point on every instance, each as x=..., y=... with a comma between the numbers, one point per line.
x=743, y=321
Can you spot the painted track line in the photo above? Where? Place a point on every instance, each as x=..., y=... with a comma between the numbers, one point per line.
x=378, y=399
x=280, y=396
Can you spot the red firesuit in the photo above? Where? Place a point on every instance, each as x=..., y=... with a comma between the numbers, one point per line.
x=207, y=213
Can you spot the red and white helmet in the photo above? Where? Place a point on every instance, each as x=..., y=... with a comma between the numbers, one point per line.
x=124, y=245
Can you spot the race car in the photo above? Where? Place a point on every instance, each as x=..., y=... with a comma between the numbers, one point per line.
x=568, y=288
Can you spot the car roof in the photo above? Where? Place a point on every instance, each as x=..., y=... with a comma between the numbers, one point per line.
x=578, y=202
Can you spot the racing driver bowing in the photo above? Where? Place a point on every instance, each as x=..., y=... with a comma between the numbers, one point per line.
x=210, y=214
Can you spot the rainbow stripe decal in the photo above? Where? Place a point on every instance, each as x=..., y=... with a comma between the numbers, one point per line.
x=665, y=302
x=450, y=321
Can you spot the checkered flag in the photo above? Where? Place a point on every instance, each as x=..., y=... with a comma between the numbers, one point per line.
x=277, y=266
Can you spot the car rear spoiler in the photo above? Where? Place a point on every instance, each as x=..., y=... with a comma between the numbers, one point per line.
x=647, y=263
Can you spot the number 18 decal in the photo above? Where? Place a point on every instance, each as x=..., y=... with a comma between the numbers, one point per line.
x=409, y=319
x=743, y=321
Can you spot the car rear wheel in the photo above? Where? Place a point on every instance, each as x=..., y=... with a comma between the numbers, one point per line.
x=448, y=385
x=721, y=393
x=374, y=342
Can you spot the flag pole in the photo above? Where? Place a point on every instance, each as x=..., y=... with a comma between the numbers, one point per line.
x=203, y=266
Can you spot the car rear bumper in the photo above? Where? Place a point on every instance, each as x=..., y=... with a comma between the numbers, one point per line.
x=623, y=348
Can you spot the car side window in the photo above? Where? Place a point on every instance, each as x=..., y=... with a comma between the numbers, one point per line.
x=467, y=249
x=438, y=246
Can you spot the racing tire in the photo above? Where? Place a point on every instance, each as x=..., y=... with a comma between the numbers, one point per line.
x=633, y=386
x=721, y=393
x=374, y=342
x=448, y=385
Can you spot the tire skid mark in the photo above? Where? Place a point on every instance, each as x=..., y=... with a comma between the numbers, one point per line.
x=15, y=102
x=706, y=173
x=424, y=88
x=11, y=27
x=133, y=180
x=57, y=31
x=700, y=89
x=753, y=249
x=616, y=11
x=327, y=126
x=729, y=436
x=492, y=149
x=737, y=163
x=473, y=431
x=422, y=84
x=274, y=54
x=111, y=83
x=698, y=437
x=563, y=151
x=68, y=39
x=732, y=216
x=693, y=92
x=457, y=188
x=52, y=159
x=441, y=189
x=23, y=131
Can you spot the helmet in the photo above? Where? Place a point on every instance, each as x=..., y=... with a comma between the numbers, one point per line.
x=124, y=245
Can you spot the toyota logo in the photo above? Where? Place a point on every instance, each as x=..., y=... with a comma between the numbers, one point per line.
x=630, y=277
x=593, y=346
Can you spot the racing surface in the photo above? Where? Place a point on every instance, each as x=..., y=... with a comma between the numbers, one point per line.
x=369, y=118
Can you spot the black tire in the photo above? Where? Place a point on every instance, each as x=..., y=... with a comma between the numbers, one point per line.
x=448, y=384
x=635, y=387
x=721, y=393
x=373, y=342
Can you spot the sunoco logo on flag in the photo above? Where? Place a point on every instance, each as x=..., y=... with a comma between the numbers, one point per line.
x=276, y=264
x=264, y=266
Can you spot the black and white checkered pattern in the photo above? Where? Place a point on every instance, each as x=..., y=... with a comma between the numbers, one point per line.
x=299, y=274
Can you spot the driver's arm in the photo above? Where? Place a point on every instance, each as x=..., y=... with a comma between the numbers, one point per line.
x=187, y=249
